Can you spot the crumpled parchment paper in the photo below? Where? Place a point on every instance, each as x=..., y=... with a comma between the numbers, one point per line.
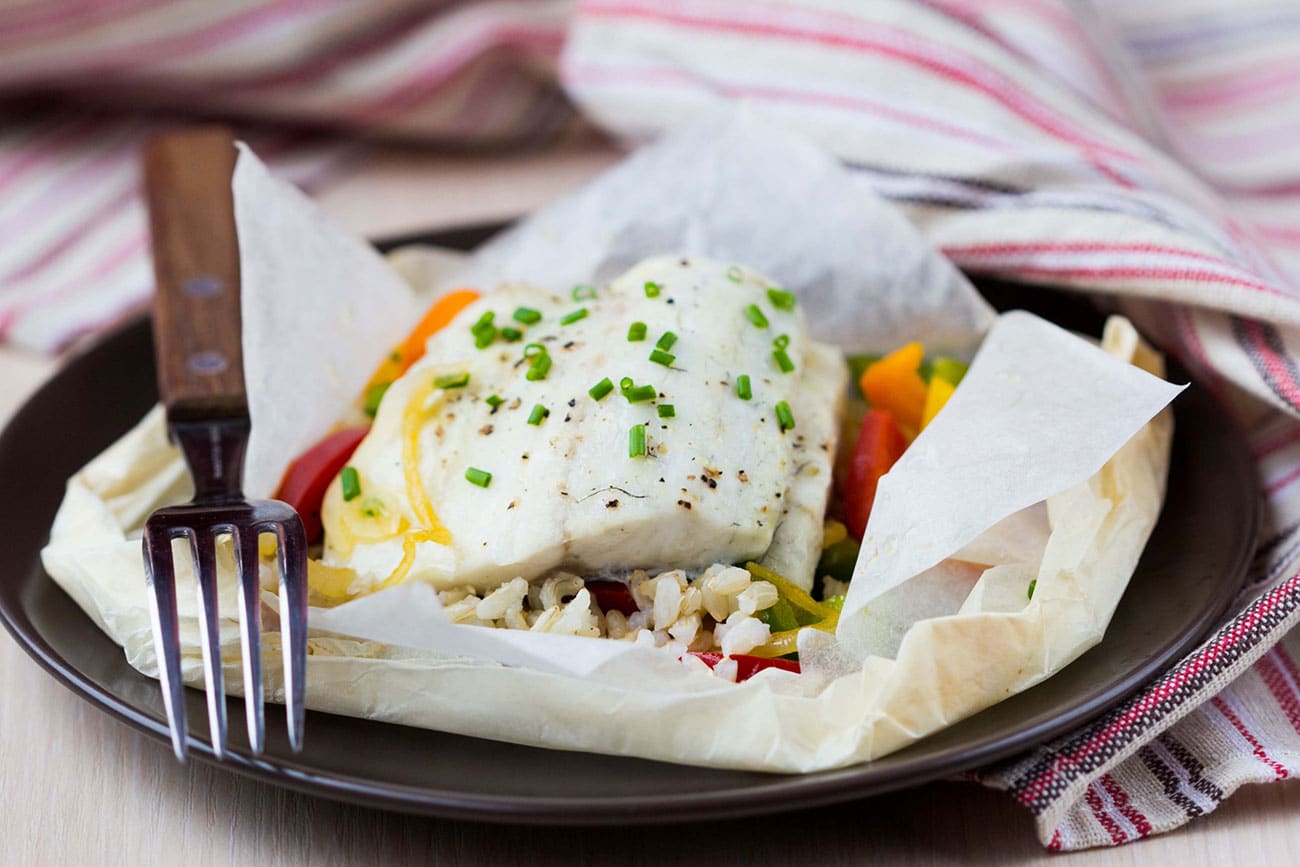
x=1048, y=466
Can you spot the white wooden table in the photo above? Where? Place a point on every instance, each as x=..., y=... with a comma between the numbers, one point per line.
x=77, y=787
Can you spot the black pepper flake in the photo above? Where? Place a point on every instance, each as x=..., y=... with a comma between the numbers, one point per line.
x=712, y=483
x=524, y=456
x=685, y=263
x=685, y=504
x=573, y=401
x=568, y=345
x=568, y=417
x=612, y=504
x=671, y=301
x=513, y=503
x=740, y=474
x=661, y=479
x=485, y=430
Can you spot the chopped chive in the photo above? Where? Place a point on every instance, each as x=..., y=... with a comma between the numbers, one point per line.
x=484, y=336
x=783, y=361
x=636, y=332
x=475, y=476
x=636, y=441
x=666, y=342
x=782, y=342
x=754, y=315
x=452, y=380
x=1032, y=584
x=539, y=412
x=734, y=274
x=494, y=400
x=743, y=390
x=511, y=335
x=601, y=389
x=666, y=410
x=374, y=394
x=485, y=319
x=540, y=367
x=351, y=482
x=781, y=299
x=583, y=292
x=533, y=350
x=658, y=356
x=784, y=417
x=636, y=393
x=652, y=289
x=527, y=315
x=570, y=318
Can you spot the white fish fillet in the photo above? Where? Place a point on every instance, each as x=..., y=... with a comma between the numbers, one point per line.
x=720, y=476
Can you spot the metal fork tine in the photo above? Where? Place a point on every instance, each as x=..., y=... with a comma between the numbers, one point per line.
x=293, y=623
x=203, y=546
x=250, y=633
x=161, y=576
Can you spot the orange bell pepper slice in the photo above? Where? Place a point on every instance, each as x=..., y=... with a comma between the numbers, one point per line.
x=894, y=384
x=439, y=316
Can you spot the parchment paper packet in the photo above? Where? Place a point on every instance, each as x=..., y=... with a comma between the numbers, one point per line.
x=962, y=633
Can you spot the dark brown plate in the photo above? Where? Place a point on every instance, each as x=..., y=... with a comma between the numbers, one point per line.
x=1194, y=563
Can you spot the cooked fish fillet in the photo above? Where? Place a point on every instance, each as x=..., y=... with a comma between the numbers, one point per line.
x=718, y=479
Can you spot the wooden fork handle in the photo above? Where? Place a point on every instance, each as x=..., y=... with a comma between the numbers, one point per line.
x=196, y=321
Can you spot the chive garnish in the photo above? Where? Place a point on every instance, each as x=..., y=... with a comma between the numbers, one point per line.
x=485, y=319
x=783, y=361
x=484, y=335
x=540, y=367
x=743, y=390
x=636, y=393
x=734, y=274
x=666, y=410
x=754, y=315
x=583, y=292
x=351, y=482
x=1032, y=584
x=666, y=342
x=374, y=395
x=652, y=289
x=494, y=400
x=475, y=476
x=527, y=315
x=784, y=417
x=781, y=299
x=511, y=335
x=539, y=412
x=636, y=441
x=781, y=342
x=452, y=380
x=636, y=332
x=570, y=318
x=601, y=389
x=658, y=356
x=533, y=350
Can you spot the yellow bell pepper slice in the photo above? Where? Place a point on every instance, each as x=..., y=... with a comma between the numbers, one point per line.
x=935, y=397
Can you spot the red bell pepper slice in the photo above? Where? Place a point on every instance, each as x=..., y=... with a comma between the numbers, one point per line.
x=307, y=478
x=880, y=444
x=612, y=596
x=747, y=666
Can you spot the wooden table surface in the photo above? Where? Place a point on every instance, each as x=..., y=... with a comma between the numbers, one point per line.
x=77, y=787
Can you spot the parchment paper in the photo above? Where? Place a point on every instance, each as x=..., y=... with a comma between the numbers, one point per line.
x=968, y=635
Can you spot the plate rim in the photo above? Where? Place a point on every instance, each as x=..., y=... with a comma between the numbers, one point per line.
x=771, y=796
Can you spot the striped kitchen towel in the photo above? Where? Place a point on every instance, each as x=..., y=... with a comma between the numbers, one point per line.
x=1141, y=150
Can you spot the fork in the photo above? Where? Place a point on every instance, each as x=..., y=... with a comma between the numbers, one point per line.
x=201, y=384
